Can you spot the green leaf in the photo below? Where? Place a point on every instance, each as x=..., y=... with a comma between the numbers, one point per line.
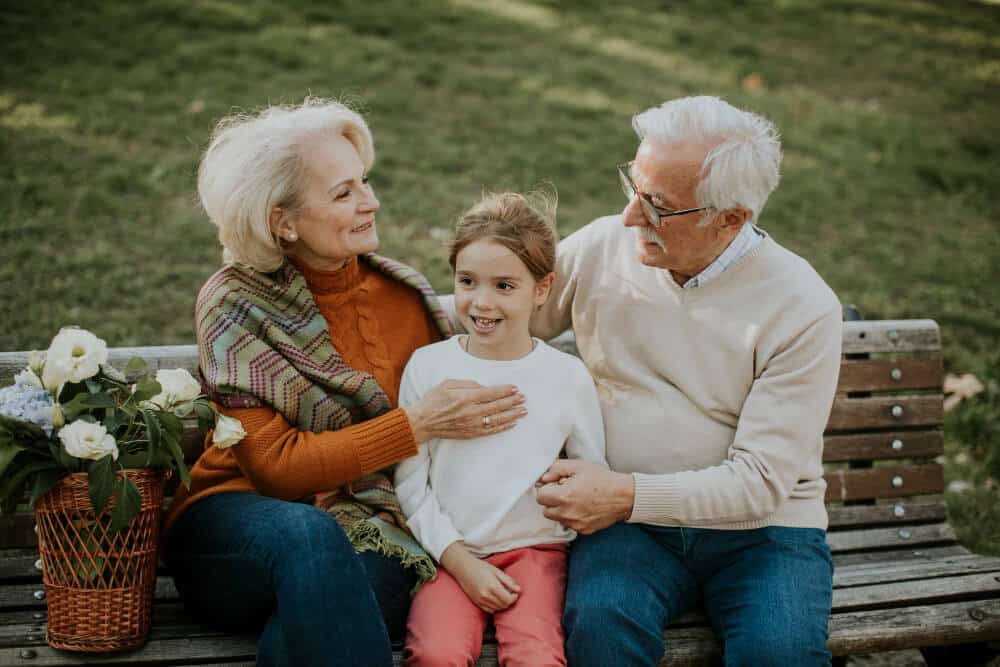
x=19, y=474
x=152, y=432
x=44, y=481
x=127, y=504
x=174, y=445
x=74, y=407
x=135, y=364
x=145, y=389
x=101, y=482
x=206, y=414
x=23, y=434
x=8, y=450
x=171, y=423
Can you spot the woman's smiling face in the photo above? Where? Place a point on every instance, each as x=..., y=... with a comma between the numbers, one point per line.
x=337, y=219
x=495, y=295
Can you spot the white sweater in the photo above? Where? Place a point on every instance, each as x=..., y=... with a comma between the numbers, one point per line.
x=482, y=491
x=714, y=398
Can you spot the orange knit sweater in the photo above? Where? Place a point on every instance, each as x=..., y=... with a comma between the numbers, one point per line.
x=375, y=324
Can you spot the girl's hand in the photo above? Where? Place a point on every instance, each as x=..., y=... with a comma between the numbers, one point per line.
x=489, y=588
x=463, y=409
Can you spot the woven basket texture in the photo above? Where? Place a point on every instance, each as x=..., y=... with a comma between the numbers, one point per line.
x=98, y=585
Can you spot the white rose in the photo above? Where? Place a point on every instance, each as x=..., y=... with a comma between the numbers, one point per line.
x=74, y=355
x=176, y=386
x=85, y=440
x=228, y=431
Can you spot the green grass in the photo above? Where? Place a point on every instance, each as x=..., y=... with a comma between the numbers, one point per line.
x=889, y=113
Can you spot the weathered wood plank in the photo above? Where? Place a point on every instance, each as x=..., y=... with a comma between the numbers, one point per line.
x=856, y=414
x=157, y=357
x=872, y=336
x=861, y=632
x=920, y=591
x=912, y=627
x=902, y=511
x=926, y=553
x=883, y=445
x=17, y=530
x=224, y=648
x=867, y=574
x=875, y=538
x=884, y=482
x=850, y=633
x=863, y=375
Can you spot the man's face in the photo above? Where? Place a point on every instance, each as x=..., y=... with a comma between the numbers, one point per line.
x=669, y=175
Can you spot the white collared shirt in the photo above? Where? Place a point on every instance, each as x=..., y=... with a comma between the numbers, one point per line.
x=745, y=241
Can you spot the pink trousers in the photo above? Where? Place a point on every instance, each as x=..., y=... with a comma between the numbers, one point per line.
x=445, y=628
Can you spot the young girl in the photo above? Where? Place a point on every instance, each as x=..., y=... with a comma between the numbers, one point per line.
x=472, y=503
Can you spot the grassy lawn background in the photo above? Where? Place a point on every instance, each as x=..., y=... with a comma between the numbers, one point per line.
x=890, y=114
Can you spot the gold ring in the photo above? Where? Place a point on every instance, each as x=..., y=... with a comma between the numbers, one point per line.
x=486, y=421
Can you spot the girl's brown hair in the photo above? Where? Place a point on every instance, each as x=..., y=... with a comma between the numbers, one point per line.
x=524, y=224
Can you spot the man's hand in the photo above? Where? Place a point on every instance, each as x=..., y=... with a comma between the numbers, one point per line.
x=585, y=496
x=490, y=588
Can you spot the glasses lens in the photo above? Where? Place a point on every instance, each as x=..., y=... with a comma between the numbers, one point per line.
x=626, y=185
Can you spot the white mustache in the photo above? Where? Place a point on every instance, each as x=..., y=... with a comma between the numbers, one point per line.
x=647, y=234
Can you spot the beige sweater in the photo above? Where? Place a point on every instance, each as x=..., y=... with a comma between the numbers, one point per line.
x=714, y=398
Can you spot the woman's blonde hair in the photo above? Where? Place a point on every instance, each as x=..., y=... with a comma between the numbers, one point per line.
x=255, y=164
x=524, y=224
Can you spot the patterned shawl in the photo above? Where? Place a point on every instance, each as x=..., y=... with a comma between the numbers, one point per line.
x=262, y=341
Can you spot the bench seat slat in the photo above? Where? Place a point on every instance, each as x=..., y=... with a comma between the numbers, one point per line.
x=923, y=553
x=862, y=632
x=889, y=572
x=857, y=414
x=902, y=537
x=920, y=591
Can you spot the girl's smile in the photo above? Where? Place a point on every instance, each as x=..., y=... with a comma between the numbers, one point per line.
x=495, y=295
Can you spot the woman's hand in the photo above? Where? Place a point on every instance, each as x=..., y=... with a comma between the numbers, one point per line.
x=490, y=588
x=463, y=409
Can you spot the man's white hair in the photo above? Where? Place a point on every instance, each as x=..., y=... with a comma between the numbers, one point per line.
x=744, y=150
x=255, y=163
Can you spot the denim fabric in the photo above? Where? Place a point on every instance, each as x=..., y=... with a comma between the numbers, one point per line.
x=767, y=593
x=249, y=563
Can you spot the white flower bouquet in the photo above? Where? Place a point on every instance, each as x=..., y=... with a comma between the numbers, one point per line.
x=69, y=411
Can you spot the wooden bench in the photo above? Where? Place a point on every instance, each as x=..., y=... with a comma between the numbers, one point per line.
x=901, y=579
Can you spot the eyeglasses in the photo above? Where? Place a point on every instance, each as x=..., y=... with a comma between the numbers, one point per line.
x=654, y=214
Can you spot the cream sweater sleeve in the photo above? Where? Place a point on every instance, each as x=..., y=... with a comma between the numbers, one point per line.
x=586, y=441
x=778, y=433
x=556, y=314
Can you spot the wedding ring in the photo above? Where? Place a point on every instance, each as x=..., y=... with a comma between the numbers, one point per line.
x=486, y=421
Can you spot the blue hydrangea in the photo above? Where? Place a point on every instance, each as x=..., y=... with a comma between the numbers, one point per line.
x=27, y=402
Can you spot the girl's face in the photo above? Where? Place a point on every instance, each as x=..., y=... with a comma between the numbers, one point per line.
x=495, y=295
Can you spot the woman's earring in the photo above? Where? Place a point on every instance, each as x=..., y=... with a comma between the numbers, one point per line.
x=292, y=236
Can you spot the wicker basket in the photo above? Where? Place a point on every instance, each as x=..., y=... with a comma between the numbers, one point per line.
x=99, y=586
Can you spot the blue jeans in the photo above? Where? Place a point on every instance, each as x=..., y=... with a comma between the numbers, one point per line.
x=249, y=563
x=767, y=593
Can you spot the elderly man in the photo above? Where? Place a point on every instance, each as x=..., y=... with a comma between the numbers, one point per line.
x=715, y=352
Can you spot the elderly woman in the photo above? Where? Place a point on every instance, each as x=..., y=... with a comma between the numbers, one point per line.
x=303, y=336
